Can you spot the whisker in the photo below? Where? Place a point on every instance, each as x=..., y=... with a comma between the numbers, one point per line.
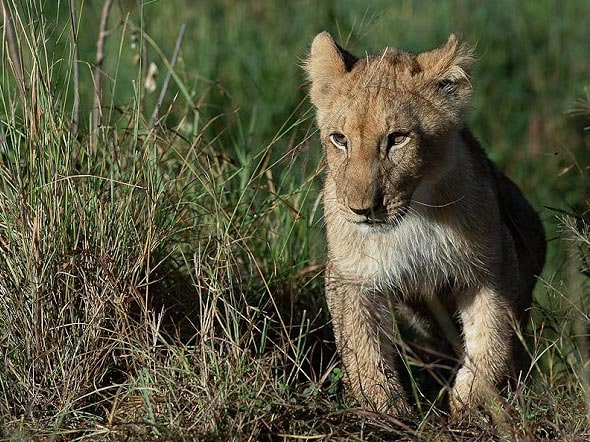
x=439, y=205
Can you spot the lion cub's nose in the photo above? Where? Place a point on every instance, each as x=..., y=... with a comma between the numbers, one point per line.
x=365, y=212
x=373, y=208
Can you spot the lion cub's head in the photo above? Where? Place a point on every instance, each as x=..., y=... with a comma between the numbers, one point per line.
x=387, y=122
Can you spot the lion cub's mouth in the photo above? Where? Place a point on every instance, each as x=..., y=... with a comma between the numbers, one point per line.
x=385, y=220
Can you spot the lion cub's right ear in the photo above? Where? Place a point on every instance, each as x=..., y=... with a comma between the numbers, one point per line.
x=326, y=63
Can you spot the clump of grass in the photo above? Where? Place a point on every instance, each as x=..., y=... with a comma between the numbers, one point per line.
x=135, y=296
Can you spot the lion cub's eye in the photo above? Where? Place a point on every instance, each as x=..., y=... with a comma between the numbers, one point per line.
x=339, y=140
x=397, y=139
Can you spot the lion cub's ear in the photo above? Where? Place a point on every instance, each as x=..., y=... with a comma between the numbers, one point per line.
x=326, y=63
x=448, y=68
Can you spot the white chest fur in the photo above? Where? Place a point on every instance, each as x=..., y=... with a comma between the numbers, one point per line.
x=415, y=257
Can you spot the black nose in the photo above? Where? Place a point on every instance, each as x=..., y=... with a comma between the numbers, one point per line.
x=365, y=212
x=371, y=209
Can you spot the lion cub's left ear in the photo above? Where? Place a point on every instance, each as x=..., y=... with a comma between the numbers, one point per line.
x=327, y=62
x=448, y=68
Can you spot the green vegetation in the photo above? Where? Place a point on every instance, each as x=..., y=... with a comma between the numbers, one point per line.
x=161, y=274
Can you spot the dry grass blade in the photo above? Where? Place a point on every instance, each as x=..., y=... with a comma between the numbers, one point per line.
x=9, y=36
x=156, y=112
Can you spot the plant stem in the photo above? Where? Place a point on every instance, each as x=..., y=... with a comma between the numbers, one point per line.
x=76, y=72
x=97, y=74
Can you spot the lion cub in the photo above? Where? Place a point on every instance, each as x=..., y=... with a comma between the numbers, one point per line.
x=417, y=216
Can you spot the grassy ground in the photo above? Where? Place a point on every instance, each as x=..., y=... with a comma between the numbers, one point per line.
x=161, y=273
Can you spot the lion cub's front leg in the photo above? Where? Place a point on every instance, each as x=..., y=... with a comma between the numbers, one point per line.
x=487, y=335
x=367, y=355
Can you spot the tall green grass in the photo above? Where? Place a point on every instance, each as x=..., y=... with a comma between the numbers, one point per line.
x=163, y=280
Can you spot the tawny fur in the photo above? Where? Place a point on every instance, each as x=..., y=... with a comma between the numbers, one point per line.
x=429, y=222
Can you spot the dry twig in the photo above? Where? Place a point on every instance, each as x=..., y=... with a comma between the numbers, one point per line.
x=143, y=53
x=97, y=74
x=76, y=73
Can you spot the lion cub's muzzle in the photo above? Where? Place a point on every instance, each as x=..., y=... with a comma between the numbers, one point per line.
x=363, y=198
x=373, y=211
